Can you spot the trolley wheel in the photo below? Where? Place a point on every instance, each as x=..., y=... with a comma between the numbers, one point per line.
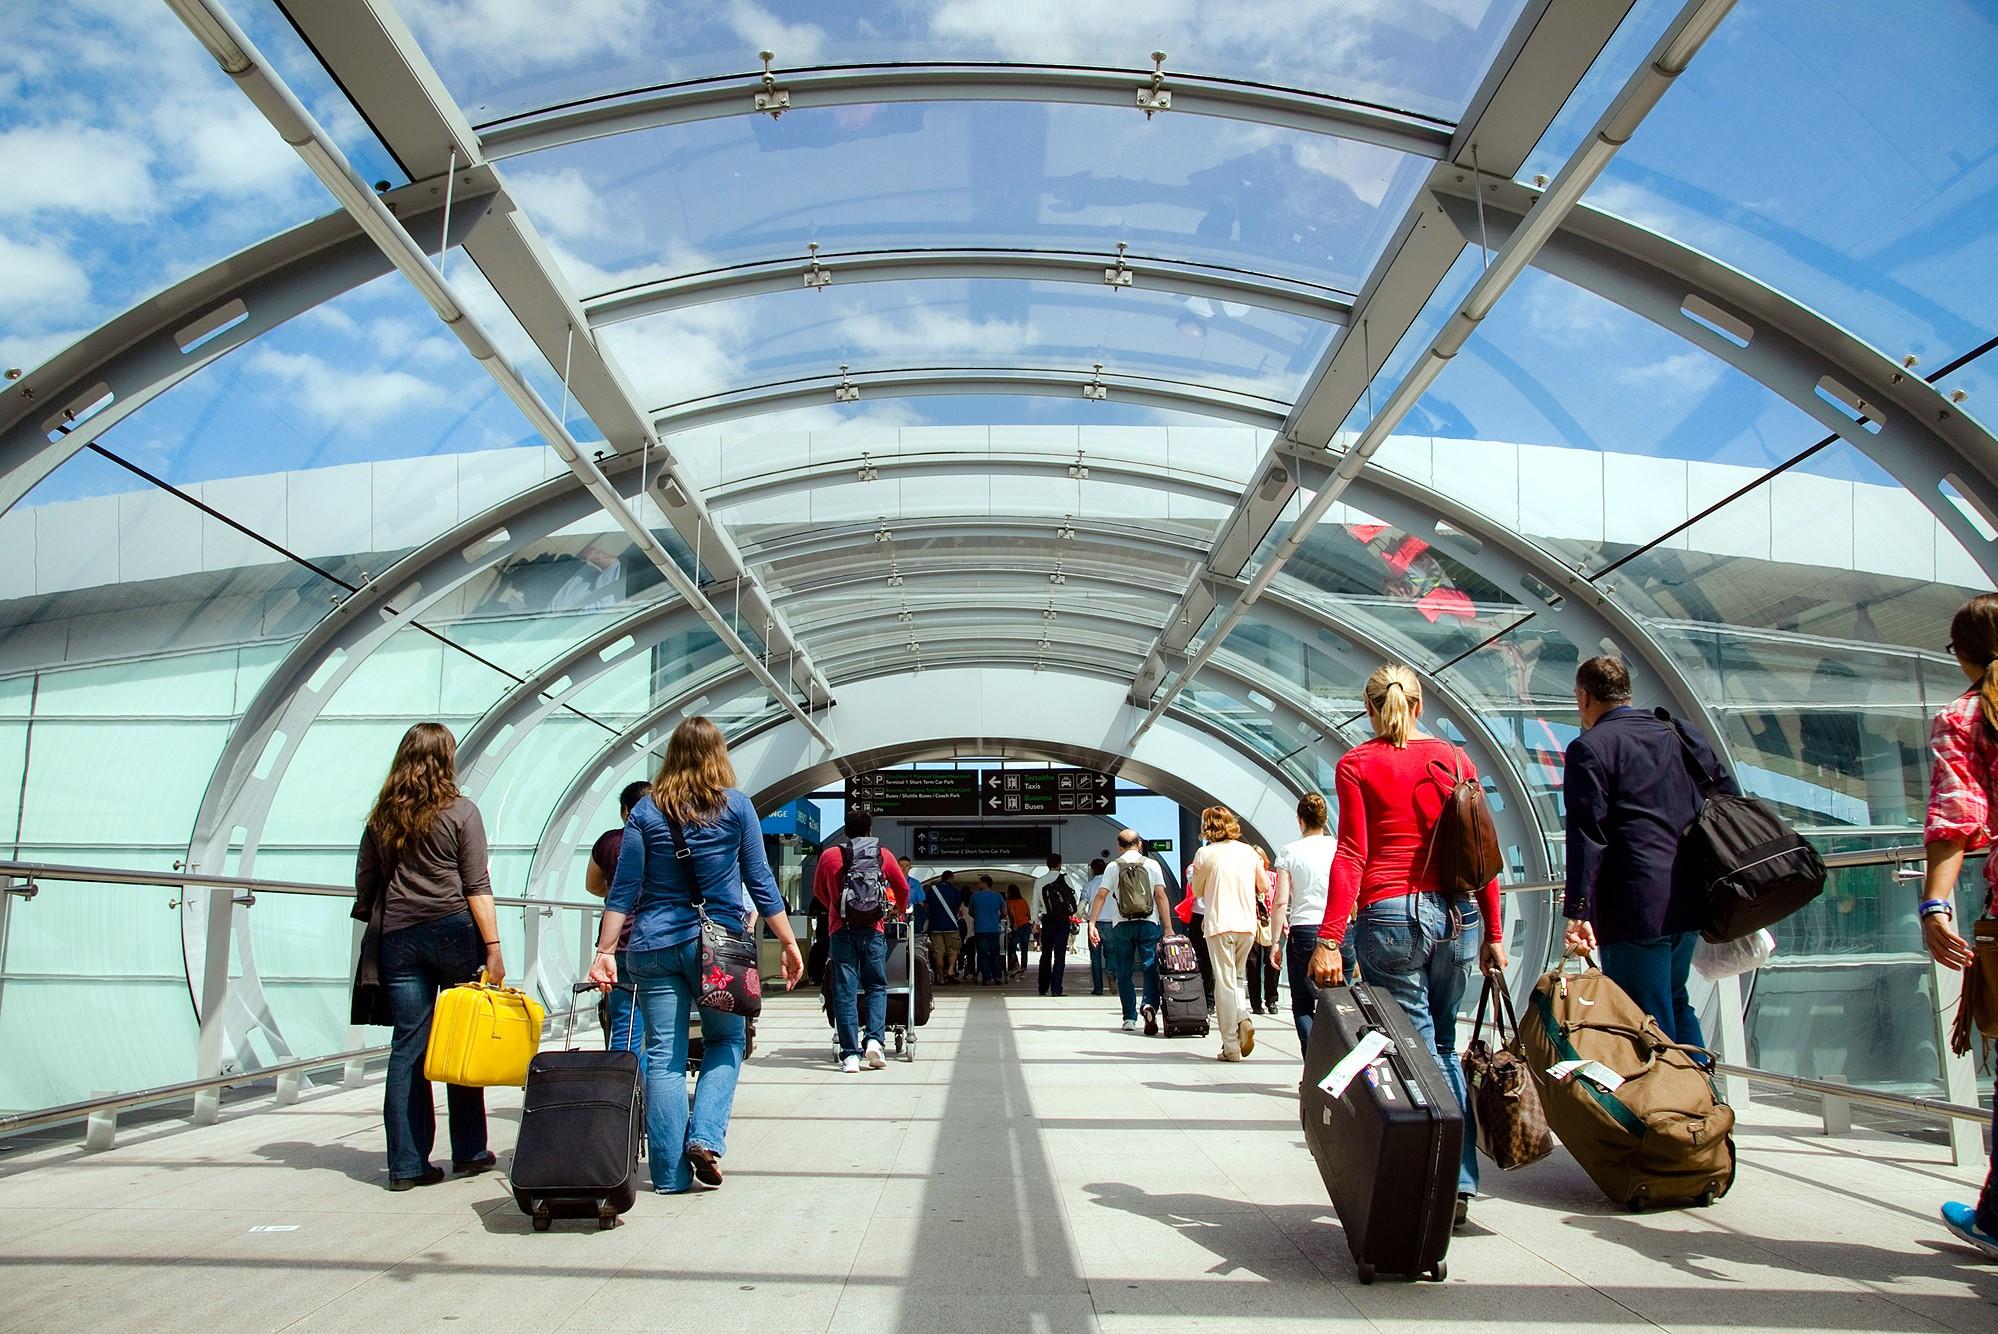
x=1366, y=1272
x=898, y=1041
x=543, y=1220
x=606, y=1218
x=1439, y=1271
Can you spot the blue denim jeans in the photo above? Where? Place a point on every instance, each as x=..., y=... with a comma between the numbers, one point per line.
x=1411, y=948
x=991, y=959
x=1099, y=966
x=1134, y=955
x=418, y=962
x=668, y=984
x=624, y=1026
x=1020, y=947
x=1653, y=973
x=859, y=960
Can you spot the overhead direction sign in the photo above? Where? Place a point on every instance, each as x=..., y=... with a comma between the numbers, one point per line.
x=983, y=843
x=904, y=792
x=1046, y=792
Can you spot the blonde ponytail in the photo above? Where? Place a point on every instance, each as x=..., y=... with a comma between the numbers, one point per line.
x=1394, y=698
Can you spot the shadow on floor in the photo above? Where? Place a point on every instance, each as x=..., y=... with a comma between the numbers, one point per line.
x=1242, y=1243
x=349, y=1160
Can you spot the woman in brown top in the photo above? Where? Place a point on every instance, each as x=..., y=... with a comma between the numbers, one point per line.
x=422, y=887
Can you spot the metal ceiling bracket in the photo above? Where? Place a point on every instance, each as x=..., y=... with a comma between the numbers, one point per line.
x=1155, y=96
x=1096, y=391
x=818, y=277
x=772, y=100
x=845, y=391
x=1121, y=275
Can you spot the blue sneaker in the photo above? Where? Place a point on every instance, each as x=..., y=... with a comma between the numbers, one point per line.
x=1962, y=1220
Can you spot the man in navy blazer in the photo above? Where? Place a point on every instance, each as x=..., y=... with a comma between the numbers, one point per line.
x=1629, y=799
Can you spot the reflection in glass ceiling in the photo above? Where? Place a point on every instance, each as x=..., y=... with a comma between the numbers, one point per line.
x=501, y=57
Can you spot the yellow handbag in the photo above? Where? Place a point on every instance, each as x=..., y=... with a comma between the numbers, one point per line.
x=483, y=1036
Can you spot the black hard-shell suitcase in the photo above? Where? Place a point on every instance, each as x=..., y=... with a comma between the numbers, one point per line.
x=1182, y=1005
x=1388, y=1147
x=898, y=993
x=582, y=1130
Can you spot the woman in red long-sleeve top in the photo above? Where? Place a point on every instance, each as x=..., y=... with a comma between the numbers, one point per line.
x=1411, y=941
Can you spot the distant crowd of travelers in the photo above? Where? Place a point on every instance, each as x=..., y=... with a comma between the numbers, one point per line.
x=1332, y=904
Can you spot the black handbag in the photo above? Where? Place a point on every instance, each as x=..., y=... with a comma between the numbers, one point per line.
x=731, y=977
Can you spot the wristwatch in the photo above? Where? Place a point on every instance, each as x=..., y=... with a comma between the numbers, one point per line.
x=1937, y=908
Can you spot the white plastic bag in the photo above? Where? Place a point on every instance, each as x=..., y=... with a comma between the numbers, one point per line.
x=1714, y=962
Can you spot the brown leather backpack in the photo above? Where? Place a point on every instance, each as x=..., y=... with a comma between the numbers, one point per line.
x=1463, y=847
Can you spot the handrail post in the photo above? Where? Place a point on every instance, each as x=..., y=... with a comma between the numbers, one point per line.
x=1966, y=1138
x=1733, y=1039
x=101, y=1130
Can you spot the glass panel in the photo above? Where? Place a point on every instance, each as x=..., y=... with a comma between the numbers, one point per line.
x=1872, y=210
x=1066, y=328
x=1523, y=686
x=1016, y=175
x=1424, y=57
x=119, y=186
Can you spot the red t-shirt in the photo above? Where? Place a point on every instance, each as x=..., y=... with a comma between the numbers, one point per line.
x=1388, y=803
x=825, y=885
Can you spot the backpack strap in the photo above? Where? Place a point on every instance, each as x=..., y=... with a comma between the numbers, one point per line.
x=1706, y=782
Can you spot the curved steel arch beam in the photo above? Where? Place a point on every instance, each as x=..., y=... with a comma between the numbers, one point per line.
x=1913, y=431
x=944, y=463
x=916, y=382
x=1244, y=287
x=857, y=85
x=156, y=344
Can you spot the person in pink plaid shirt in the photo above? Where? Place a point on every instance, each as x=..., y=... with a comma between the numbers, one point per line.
x=1964, y=740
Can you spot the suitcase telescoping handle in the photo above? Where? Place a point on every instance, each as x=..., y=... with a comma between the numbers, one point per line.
x=1370, y=1010
x=631, y=1020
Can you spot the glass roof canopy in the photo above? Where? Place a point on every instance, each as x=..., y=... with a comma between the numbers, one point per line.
x=968, y=240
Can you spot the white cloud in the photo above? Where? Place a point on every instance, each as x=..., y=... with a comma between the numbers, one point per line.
x=76, y=168
x=29, y=350
x=1684, y=375
x=346, y=397
x=931, y=333
x=793, y=43
x=682, y=354
x=226, y=147
x=36, y=275
x=509, y=36
x=1565, y=315
x=563, y=204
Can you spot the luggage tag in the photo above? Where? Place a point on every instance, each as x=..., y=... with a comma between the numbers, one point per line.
x=1604, y=1078
x=1362, y=1057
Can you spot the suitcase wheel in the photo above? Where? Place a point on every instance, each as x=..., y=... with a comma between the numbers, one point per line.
x=543, y=1220
x=606, y=1218
x=1366, y=1272
x=1439, y=1271
x=1706, y=1199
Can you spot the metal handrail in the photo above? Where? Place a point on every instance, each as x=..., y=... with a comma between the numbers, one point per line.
x=17, y=1122
x=1900, y=1102
x=112, y=875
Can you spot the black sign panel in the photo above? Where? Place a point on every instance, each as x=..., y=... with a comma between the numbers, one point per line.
x=983, y=843
x=902, y=792
x=1046, y=792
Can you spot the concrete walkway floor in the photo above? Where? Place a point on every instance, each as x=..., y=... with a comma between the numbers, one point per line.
x=1033, y=1168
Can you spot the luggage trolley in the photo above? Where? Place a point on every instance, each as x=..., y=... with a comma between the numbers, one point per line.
x=904, y=1033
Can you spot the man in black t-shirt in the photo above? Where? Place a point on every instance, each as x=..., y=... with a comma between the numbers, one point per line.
x=623, y=1029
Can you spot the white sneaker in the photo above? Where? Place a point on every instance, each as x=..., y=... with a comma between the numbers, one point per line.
x=850, y=1066
x=876, y=1058
x=1130, y=1025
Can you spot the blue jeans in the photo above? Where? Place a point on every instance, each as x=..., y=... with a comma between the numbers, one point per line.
x=417, y=962
x=1653, y=973
x=624, y=1026
x=1297, y=963
x=1098, y=965
x=859, y=961
x=1020, y=945
x=991, y=963
x=1410, y=948
x=1134, y=954
x=668, y=983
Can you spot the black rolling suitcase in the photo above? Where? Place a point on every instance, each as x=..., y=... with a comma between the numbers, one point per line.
x=1388, y=1147
x=1182, y=1005
x=582, y=1130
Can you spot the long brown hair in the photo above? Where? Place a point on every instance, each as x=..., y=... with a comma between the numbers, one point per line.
x=1973, y=637
x=422, y=780
x=690, y=787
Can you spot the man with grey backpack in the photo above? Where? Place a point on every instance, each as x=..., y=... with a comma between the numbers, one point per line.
x=1135, y=883
x=862, y=886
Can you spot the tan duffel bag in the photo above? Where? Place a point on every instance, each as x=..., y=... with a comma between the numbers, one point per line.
x=1636, y=1110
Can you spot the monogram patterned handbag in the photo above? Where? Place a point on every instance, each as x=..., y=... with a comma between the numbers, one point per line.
x=1512, y=1128
x=731, y=976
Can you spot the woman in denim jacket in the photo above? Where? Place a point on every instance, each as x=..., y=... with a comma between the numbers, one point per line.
x=695, y=790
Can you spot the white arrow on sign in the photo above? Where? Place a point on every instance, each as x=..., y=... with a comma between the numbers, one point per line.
x=1101, y=802
x=1103, y=780
x=993, y=782
x=994, y=803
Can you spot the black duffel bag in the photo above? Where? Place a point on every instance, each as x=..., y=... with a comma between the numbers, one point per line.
x=1754, y=869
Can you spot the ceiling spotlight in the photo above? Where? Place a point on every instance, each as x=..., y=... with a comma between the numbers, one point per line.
x=1274, y=481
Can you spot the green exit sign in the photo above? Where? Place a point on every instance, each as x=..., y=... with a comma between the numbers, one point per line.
x=1159, y=844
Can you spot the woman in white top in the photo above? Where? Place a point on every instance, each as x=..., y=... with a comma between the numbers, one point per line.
x=1226, y=875
x=1303, y=882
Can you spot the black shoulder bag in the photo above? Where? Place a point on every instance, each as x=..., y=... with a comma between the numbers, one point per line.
x=1753, y=868
x=731, y=978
